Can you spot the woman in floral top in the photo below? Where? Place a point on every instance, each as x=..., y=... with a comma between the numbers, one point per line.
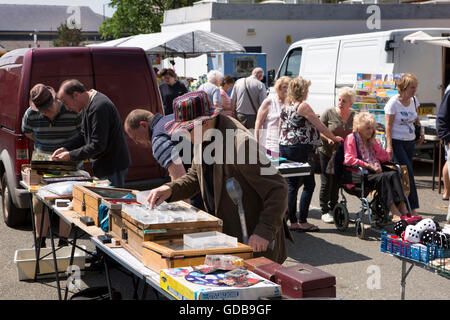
x=300, y=130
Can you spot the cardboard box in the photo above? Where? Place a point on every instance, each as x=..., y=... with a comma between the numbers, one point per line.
x=30, y=176
x=163, y=254
x=186, y=284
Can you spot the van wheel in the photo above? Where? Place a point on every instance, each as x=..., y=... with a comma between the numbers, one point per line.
x=13, y=216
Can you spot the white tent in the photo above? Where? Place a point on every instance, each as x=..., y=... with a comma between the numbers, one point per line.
x=421, y=36
x=185, y=44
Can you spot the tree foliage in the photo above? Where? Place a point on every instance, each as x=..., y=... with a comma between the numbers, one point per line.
x=137, y=16
x=68, y=36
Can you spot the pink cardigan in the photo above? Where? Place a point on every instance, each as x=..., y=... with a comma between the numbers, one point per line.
x=351, y=155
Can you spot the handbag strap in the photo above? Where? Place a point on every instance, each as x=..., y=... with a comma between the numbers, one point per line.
x=249, y=96
x=417, y=111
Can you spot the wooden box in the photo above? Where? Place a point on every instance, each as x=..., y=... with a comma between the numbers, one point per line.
x=133, y=233
x=251, y=264
x=305, y=281
x=87, y=199
x=30, y=176
x=164, y=254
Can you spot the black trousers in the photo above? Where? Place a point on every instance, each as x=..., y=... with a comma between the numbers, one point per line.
x=388, y=186
x=329, y=189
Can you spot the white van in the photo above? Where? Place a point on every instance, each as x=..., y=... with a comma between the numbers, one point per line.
x=333, y=62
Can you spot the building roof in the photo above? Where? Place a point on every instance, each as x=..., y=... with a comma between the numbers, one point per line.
x=18, y=17
x=205, y=11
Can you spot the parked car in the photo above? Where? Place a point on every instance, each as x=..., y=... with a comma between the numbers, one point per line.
x=333, y=62
x=125, y=75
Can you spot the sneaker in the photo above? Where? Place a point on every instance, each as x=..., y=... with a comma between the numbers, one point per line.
x=327, y=218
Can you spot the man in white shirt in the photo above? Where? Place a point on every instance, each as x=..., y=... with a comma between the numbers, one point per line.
x=246, y=97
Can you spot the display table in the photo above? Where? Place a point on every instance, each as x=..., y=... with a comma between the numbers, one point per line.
x=119, y=255
x=405, y=272
x=437, y=146
x=124, y=258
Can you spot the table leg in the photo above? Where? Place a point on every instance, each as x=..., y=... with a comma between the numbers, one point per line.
x=55, y=261
x=433, y=165
x=144, y=290
x=108, y=279
x=72, y=254
x=135, y=286
x=38, y=245
x=404, y=275
x=36, y=270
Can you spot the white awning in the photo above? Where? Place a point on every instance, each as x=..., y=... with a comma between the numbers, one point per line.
x=421, y=36
x=182, y=44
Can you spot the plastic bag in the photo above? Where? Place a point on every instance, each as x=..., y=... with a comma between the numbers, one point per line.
x=62, y=188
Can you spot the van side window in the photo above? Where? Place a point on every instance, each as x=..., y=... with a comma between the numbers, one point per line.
x=291, y=65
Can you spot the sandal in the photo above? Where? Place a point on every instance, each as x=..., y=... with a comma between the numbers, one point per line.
x=412, y=219
x=310, y=228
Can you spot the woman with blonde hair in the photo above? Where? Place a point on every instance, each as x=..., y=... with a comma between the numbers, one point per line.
x=268, y=118
x=362, y=149
x=401, y=115
x=299, y=135
x=339, y=120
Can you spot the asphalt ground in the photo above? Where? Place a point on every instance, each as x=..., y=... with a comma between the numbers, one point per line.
x=362, y=272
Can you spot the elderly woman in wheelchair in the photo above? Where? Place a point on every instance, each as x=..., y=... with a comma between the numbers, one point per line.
x=363, y=160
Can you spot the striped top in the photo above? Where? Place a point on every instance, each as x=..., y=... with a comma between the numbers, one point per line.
x=162, y=145
x=49, y=135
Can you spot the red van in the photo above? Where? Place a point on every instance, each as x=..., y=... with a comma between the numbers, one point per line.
x=125, y=75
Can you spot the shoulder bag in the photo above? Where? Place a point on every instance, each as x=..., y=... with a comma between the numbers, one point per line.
x=417, y=125
x=250, y=97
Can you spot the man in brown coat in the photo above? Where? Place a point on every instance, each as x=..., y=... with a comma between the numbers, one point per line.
x=233, y=152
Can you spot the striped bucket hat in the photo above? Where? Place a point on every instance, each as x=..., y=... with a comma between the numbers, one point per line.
x=189, y=110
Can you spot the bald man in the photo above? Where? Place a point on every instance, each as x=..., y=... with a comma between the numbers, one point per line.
x=246, y=97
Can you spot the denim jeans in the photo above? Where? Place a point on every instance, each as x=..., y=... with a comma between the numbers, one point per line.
x=299, y=153
x=403, y=154
x=448, y=164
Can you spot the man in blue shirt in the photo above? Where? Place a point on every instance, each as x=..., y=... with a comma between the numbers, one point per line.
x=49, y=124
x=147, y=129
x=443, y=128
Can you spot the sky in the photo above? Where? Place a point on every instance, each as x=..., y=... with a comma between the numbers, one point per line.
x=96, y=5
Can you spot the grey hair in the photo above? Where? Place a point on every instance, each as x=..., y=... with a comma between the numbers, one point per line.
x=214, y=76
x=348, y=92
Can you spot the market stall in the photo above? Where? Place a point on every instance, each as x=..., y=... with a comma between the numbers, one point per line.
x=160, y=245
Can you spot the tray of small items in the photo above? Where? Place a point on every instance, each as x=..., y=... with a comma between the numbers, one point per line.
x=136, y=223
x=191, y=250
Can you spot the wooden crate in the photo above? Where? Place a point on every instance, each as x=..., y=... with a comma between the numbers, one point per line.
x=163, y=254
x=87, y=199
x=136, y=232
